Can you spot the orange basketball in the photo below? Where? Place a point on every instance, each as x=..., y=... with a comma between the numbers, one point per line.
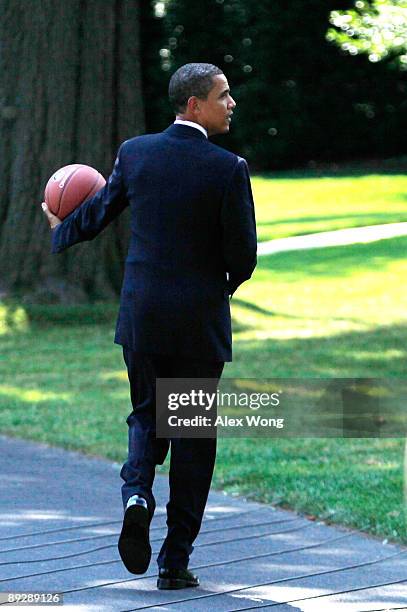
x=71, y=185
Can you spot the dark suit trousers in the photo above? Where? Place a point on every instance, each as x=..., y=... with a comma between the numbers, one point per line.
x=192, y=460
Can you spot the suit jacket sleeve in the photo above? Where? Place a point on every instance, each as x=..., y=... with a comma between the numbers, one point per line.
x=239, y=228
x=93, y=215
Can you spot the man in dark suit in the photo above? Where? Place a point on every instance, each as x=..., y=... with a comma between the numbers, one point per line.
x=193, y=242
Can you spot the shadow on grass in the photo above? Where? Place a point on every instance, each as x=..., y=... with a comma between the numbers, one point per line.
x=376, y=352
x=335, y=261
x=239, y=326
x=58, y=314
x=249, y=306
x=354, y=220
x=253, y=307
x=392, y=166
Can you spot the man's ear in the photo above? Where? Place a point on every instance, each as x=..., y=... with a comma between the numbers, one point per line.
x=193, y=104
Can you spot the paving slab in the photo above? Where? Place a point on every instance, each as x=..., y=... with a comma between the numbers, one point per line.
x=340, y=237
x=58, y=534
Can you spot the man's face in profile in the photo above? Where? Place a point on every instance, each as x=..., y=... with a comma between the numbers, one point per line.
x=216, y=111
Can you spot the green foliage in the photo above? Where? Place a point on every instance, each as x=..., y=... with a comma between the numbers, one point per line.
x=299, y=101
x=377, y=28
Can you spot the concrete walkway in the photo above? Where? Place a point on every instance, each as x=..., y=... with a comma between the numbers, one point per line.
x=340, y=237
x=60, y=515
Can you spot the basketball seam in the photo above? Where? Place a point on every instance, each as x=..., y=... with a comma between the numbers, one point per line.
x=91, y=189
x=65, y=186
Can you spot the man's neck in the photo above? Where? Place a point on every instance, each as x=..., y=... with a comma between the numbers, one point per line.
x=193, y=124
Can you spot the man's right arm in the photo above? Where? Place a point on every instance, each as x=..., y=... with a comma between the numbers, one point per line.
x=239, y=227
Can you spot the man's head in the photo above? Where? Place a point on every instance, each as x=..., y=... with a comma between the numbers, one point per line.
x=200, y=93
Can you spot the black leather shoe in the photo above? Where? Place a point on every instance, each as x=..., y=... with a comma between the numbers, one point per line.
x=134, y=541
x=170, y=578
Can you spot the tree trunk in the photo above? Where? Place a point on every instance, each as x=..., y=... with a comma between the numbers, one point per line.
x=70, y=92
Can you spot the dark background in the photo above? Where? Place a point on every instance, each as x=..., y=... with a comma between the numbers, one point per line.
x=300, y=99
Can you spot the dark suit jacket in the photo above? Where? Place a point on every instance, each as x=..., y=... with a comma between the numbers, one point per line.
x=192, y=221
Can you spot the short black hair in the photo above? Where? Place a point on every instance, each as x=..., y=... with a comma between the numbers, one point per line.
x=191, y=80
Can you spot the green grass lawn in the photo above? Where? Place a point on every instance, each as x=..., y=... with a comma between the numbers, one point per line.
x=290, y=204
x=323, y=313
x=337, y=312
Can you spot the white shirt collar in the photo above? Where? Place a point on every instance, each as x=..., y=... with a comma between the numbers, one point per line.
x=192, y=124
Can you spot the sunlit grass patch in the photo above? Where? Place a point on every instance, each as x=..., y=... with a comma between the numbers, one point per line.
x=288, y=206
x=13, y=319
x=31, y=396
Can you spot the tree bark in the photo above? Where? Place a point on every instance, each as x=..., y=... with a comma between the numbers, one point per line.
x=70, y=92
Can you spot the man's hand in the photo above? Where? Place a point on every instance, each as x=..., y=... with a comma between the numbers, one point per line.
x=52, y=219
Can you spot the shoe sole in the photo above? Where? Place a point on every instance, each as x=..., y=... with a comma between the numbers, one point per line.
x=134, y=541
x=174, y=583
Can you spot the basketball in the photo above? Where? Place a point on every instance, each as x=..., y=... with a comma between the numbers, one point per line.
x=71, y=185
